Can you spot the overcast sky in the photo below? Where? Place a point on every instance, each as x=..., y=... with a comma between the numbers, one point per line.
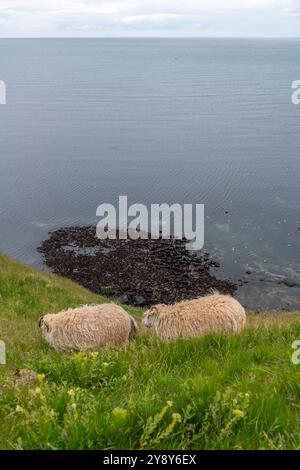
x=158, y=18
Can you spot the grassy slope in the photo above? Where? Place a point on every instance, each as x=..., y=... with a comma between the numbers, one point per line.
x=215, y=392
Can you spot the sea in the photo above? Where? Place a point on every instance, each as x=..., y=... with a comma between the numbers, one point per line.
x=188, y=121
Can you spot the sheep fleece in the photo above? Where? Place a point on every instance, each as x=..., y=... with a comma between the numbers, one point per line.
x=88, y=327
x=213, y=313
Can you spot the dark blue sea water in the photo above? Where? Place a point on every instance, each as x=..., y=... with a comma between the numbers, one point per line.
x=187, y=121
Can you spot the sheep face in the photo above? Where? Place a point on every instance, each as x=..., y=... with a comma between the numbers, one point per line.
x=45, y=326
x=149, y=317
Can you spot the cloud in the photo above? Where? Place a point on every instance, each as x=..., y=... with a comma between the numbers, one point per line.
x=118, y=17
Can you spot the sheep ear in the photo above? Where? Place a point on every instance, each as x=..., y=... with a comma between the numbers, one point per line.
x=154, y=309
x=40, y=322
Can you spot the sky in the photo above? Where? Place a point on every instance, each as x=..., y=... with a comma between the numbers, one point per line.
x=149, y=18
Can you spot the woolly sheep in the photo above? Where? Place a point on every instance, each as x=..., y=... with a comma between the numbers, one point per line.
x=88, y=327
x=213, y=313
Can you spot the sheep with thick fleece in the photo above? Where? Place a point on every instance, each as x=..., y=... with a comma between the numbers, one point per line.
x=188, y=319
x=88, y=327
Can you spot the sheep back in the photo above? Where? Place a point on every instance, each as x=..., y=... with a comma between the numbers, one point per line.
x=213, y=313
x=88, y=327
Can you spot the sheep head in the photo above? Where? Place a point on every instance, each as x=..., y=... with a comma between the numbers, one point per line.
x=150, y=316
x=45, y=325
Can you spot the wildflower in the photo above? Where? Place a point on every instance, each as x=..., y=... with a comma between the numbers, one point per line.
x=71, y=393
x=79, y=357
x=170, y=403
x=41, y=378
x=94, y=355
x=19, y=409
x=238, y=413
x=105, y=364
x=176, y=418
x=119, y=414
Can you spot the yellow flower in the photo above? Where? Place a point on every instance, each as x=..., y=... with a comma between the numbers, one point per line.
x=119, y=414
x=176, y=418
x=41, y=378
x=170, y=403
x=238, y=413
x=79, y=357
x=94, y=355
x=19, y=409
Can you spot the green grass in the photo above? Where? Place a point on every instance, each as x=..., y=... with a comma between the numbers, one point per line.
x=239, y=392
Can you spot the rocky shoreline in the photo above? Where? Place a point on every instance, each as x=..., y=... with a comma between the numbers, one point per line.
x=138, y=272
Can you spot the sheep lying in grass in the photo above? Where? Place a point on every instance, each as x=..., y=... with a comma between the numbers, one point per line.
x=88, y=327
x=213, y=313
